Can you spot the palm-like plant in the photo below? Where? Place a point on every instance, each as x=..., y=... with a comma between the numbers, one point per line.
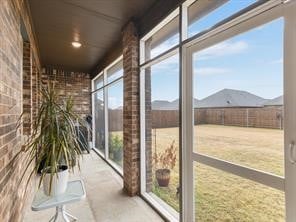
x=54, y=140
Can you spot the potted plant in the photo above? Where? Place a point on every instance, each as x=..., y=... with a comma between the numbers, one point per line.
x=54, y=144
x=165, y=162
x=116, y=145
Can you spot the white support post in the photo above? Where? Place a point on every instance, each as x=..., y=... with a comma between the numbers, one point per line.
x=184, y=22
x=290, y=108
x=187, y=138
x=106, y=116
x=93, y=113
x=142, y=132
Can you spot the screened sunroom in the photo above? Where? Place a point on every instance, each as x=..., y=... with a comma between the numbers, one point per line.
x=156, y=110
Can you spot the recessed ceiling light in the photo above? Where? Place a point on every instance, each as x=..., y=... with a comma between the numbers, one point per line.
x=76, y=44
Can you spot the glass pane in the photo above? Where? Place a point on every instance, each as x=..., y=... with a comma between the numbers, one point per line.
x=163, y=40
x=115, y=72
x=203, y=15
x=115, y=114
x=162, y=131
x=99, y=121
x=238, y=88
x=99, y=81
x=221, y=196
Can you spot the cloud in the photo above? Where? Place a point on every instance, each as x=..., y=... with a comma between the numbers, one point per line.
x=278, y=61
x=225, y=48
x=164, y=46
x=167, y=66
x=210, y=71
x=222, y=49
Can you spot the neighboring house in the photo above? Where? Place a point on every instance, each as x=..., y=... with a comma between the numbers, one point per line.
x=161, y=105
x=231, y=98
x=225, y=98
x=166, y=105
x=278, y=101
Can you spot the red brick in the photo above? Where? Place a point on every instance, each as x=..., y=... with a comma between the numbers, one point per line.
x=131, y=111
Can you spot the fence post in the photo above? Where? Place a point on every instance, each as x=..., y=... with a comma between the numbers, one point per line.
x=247, y=117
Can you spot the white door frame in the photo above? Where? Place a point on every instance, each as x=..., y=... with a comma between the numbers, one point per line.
x=290, y=107
x=104, y=89
x=263, y=14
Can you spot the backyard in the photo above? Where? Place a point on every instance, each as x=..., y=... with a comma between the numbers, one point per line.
x=220, y=196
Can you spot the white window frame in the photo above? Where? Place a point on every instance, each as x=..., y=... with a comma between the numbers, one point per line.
x=93, y=113
x=261, y=14
x=252, y=19
x=163, y=208
x=105, y=86
x=157, y=28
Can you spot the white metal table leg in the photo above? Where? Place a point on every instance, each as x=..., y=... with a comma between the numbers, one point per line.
x=61, y=213
x=71, y=216
x=55, y=217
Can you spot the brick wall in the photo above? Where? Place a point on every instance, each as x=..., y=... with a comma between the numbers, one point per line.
x=71, y=84
x=31, y=84
x=12, y=195
x=11, y=52
x=131, y=111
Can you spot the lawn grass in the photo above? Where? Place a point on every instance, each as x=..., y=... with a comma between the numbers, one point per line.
x=221, y=196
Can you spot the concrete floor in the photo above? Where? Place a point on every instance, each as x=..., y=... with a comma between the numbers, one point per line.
x=105, y=200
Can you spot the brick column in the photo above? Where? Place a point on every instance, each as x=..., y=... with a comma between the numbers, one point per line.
x=27, y=88
x=131, y=111
x=35, y=89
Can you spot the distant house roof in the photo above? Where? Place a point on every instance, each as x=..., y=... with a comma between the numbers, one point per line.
x=161, y=105
x=221, y=99
x=231, y=98
x=278, y=101
x=166, y=105
x=175, y=104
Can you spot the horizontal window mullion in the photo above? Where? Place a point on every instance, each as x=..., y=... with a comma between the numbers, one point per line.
x=108, y=84
x=262, y=177
x=232, y=21
x=161, y=57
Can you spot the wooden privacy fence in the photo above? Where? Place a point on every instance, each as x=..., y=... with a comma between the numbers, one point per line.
x=115, y=120
x=262, y=117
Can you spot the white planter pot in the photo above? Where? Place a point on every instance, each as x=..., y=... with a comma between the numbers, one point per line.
x=59, y=183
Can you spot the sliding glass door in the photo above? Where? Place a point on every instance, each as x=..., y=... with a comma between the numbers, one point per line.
x=238, y=83
x=107, y=111
x=238, y=123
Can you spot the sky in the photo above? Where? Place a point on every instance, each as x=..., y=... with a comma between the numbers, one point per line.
x=251, y=61
x=114, y=90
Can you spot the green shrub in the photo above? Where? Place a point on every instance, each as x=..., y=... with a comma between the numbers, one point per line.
x=115, y=143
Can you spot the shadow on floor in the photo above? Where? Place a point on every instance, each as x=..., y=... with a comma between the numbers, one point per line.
x=105, y=200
